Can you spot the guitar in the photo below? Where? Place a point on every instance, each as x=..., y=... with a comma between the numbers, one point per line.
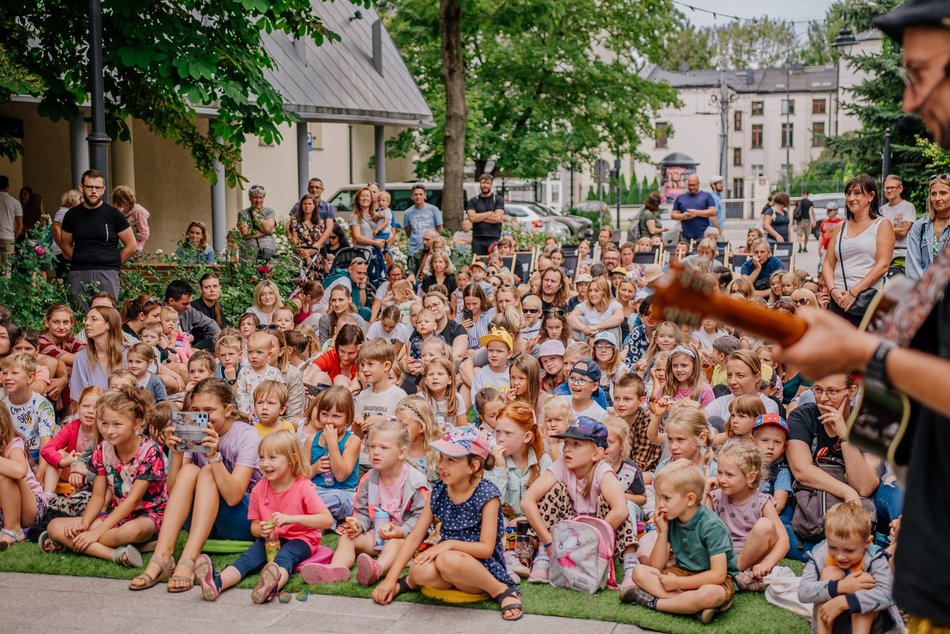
x=879, y=417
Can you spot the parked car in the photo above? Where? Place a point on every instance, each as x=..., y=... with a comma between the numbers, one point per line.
x=821, y=203
x=592, y=205
x=579, y=226
x=532, y=221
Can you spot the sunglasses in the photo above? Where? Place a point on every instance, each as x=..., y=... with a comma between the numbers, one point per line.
x=940, y=177
x=531, y=311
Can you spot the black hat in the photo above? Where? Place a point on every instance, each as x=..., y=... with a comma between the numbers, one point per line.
x=914, y=13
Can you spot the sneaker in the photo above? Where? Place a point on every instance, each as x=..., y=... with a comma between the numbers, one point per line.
x=204, y=574
x=706, y=616
x=747, y=582
x=515, y=565
x=638, y=596
x=317, y=574
x=539, y=570
x=368, y=570
x=266, y=588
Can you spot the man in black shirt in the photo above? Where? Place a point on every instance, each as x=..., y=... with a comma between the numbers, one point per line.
x=804, y=219
x=487, y=212
x=90, y=237
x=922, y=580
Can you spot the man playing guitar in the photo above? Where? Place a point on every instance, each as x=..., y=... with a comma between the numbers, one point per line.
x=832, y=345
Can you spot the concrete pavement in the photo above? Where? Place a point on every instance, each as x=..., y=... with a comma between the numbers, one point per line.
x=84, y=604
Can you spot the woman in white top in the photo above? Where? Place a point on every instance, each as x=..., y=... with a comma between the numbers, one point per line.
x=598, y=313
x=860, y=249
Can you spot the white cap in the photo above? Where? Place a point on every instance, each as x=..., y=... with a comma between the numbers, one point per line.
x=716, y=179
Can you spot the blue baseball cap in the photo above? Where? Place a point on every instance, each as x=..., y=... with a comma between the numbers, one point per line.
x=586, y=428
x=588, y=368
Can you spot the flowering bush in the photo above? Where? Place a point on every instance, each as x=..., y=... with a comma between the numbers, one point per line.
x=31, y=287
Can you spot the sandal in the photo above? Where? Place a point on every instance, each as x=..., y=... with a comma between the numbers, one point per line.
x=188, y=581
x=204, y=571
x=16, y=536
x=48, y=545
x=128, y=556
x=511, y=592
x=145, y=581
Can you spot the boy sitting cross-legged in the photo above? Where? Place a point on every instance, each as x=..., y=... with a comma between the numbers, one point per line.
x=701, y=582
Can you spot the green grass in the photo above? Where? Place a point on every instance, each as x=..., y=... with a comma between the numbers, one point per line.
x=750, y=612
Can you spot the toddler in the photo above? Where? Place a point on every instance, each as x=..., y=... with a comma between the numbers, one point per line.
x=270, y=403
x=259, y=370
x=140, y=357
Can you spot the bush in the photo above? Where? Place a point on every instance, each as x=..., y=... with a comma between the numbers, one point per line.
x=32, y=287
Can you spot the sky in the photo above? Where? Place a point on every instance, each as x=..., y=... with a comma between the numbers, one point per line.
x=798, y=10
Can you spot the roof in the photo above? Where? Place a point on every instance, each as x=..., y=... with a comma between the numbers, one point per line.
x=337, y=81
x=768, y=80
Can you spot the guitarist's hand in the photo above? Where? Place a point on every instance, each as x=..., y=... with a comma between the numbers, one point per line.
x=830, y=346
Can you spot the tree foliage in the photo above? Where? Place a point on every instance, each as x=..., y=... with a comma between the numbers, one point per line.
x=161, y=60
x=762, y=43
x=548, y=82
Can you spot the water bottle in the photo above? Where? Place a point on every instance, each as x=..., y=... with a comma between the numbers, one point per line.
x=379, y=520
x=272, y=543
x=328, y=479
x=524, y=550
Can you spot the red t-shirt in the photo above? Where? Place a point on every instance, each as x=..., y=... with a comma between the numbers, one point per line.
x=827, y=225
x=329, y=362
x=300, y=498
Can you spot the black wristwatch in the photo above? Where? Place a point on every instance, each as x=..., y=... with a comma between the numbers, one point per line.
x=876, y=370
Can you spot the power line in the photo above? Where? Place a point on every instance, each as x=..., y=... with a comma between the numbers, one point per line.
x=720, y=14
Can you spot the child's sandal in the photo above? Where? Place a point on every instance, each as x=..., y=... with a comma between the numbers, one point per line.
x=16, y=536
x=144, y=581
x=128, y=556
x=511, y=592
x=205, y=574
x=49, y=545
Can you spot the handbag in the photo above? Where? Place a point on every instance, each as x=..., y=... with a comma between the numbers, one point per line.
x=808, y=522
x=863, y=299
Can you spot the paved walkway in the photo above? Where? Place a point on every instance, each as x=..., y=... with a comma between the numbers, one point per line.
x=84, y=604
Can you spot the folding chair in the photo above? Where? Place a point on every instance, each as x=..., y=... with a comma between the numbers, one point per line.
x=527, y=261
x=645, y=257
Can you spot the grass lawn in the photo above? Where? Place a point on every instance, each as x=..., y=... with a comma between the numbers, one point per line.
x=750, y=612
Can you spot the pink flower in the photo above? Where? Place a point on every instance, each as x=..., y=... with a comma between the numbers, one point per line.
x=40, y=251
x=263, y=269
x=254, y=279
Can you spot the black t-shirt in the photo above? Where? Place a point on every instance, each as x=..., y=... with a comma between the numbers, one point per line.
x=482, y=204
x=803, y=211
x=449, y=283
x=803, y=425
x=95, y=237
x=921, y=582
x=452, y=330
x=203, y=308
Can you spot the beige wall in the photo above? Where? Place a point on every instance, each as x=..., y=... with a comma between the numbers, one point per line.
x=170, y=187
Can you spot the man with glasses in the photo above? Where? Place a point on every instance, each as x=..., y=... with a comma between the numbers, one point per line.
x=256, y=225
x=90, y=237
x=324, y=209
x=356, y=280
x=921, y=582
x=902, y=214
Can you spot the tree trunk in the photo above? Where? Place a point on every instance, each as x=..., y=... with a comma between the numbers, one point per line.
x=453, y=76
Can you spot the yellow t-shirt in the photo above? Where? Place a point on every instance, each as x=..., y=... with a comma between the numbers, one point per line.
x=282, y=423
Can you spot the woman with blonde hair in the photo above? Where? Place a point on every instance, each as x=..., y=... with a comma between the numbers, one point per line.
x=443, y=272
x=929, y=234
x=266, y=301
x=123, y=199
x=598, y=313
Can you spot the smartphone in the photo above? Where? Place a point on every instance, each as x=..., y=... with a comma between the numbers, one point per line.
x=466, y=314
x=314, y=390
x=190, y=429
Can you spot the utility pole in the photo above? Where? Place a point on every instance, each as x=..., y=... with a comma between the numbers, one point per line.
x=98, y=139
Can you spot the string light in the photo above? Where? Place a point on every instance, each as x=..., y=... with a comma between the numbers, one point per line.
x=718, y=14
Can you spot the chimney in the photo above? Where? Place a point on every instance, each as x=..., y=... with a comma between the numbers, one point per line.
x=378, y=46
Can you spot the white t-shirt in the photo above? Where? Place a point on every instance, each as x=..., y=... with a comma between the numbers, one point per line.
x=908, y=213
x=32, y=419
x=10, y=210
x=594, y=411
x=488, y=377
x=370, y=403
x=705, y=340
x=400, y=333
x=440, y=409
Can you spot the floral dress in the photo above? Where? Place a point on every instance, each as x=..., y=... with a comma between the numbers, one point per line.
x=308, y=237
x=463, y=522
x=148, y=463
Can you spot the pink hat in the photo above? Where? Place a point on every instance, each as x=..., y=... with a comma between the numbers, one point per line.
x=550, y=348
x=462, y=441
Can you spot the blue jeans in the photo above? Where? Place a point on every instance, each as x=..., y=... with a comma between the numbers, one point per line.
x=291, y=553
x=889, y=503
x=231, y=521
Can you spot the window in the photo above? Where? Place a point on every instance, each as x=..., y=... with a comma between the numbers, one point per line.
x=819, y=106
x=788, y=106
x=661, y=133
x=737, y=121
x=737, y=156
x=738, y=188
x=758, y=170
x=758, y=108
x=757, y=135
x=818, y=134
x=788, y=134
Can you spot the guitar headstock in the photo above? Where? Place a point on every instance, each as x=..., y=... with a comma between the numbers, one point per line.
x=683, y=295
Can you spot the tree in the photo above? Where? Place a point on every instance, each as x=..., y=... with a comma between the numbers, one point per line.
x=760, y=43
x=453, y=77
x=876, y=102
x=160, y=61
x=546, y=82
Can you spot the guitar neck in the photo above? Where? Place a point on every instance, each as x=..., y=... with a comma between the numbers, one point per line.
x=774, y=325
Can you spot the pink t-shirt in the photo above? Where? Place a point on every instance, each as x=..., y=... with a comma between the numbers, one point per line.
x=583, y=505
x=738, y=518
x=300, y=498
x=390, y=497
x=16, y=448
x=706, y=395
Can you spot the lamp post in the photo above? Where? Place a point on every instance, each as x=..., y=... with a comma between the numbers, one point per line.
x=98, y=139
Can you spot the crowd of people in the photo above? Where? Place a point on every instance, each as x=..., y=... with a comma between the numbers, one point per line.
x=452, y=420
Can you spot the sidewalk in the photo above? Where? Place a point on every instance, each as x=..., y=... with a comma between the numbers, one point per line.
x=84, y=604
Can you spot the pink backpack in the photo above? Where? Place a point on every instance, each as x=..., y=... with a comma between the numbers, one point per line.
x=582, y=554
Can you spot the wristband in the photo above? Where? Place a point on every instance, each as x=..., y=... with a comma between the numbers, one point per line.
x=876, y=370
x=217, y=458
x=547, y=545
x=833, y=588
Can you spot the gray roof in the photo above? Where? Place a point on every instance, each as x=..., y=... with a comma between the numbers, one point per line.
x=768, y=80
x=337, y=81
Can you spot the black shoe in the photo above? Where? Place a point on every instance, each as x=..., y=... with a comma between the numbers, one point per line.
x=805, y=250
x=637, y=596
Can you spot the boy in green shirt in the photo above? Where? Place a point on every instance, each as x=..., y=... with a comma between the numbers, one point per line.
x=701, y=582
